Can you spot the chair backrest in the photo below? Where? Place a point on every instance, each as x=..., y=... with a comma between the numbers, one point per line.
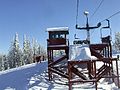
x=106, y=39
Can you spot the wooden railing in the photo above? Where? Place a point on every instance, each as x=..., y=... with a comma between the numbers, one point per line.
x=58, y=41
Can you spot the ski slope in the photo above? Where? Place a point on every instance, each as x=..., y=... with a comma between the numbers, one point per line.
x=34, y=77
x=21, y=78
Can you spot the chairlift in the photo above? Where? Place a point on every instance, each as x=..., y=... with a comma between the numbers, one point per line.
x=108, y=38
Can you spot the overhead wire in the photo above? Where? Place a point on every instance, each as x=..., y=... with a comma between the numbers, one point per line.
x=96, y=12
x=97, y=8
x=118, y=12
x=77, y=11
x=111, y=16
x=77, y=14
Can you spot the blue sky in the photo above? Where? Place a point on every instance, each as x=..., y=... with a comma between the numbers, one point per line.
x=33, y=17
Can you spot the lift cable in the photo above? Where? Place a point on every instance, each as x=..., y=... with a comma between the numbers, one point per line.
x=77, y=10
x=109, y=23
x=77, y=14
x=97, y=8
x=111, y=16
x=96, y=11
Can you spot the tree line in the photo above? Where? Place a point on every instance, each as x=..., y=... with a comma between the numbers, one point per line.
x=17, y=57
x=116, y=44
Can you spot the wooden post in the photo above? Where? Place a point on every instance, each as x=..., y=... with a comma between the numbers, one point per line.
x=70, y=75
x=117, y=73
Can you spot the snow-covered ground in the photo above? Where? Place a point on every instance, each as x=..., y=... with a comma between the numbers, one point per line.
x=22, y=78
x=34, y=77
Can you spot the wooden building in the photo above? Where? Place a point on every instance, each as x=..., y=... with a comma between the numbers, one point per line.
x=57, y=41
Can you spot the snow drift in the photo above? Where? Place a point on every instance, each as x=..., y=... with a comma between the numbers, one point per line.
x=78, y=52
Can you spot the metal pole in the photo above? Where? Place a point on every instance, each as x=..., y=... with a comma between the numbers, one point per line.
x=88, y=30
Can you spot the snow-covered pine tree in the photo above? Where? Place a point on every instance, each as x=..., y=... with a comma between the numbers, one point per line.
x=27, y=51
x=39, y=50
x=34, y=48
x=117, y=41
x=1, y=63
x=42, y=52
x=14, y=55
x=30, y=53
x=24, y=50
x=5, y=62
x=10, y=55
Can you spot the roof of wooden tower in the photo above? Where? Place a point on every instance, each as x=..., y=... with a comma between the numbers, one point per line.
x=57, y=29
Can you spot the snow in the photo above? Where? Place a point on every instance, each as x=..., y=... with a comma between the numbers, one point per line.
x=78, y=52
x=57, y=45
x=58, y=29
x=35, y=77
x=19, y=78
x=116, y=55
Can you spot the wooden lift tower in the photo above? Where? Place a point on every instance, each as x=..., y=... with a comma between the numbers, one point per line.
x=71, y=69
x=57, y=43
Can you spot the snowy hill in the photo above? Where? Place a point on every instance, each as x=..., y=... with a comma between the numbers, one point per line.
x=34, y=77
x=21, y=78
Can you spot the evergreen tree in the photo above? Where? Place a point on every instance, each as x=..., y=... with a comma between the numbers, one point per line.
x=41, y=51
x=14, y=55
x=117, y=41
x=5, y=62
x=38, y=50
x=34, y=46
x=27, y=51
x=1, y=63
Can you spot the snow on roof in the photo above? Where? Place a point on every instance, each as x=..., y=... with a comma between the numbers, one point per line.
x=58, y=29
